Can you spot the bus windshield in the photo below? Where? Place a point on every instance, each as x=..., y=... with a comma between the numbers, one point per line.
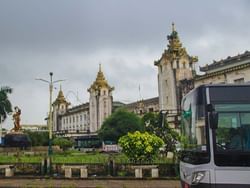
x=195, y=148
x=233, y=132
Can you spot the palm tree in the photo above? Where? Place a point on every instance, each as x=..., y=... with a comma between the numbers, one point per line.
x=5, y=104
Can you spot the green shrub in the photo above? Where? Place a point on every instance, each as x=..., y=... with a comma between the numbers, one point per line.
x=140, y=147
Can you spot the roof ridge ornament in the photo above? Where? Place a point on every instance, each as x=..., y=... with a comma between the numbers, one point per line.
x=100, y=67
x=173, y=27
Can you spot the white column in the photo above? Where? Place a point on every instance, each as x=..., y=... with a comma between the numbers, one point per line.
x=68, y=172
x=138, y=172
x=84, y=172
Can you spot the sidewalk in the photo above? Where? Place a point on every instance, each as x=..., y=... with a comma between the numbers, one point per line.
x=81, y=183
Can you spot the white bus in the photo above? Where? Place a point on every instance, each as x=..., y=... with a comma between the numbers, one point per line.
x=215, y=135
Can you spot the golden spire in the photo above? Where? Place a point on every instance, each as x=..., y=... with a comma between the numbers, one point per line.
x=100, y=76
x=175, y=48
x=60, y=97
x=100, y=81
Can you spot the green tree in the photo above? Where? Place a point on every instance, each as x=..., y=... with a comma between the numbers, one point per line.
x=155, y=123
x=140, y=147
x=62, y=143
x=118, y=124
x=5, y=104
x=38, y=138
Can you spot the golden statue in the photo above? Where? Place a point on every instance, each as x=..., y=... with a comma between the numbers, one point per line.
x=17, y=119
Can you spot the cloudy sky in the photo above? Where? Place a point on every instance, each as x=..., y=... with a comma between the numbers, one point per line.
x=71, y=38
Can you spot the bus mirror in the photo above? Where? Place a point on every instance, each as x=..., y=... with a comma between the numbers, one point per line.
x=213, y=120
x=210, y=108
x=187, y=114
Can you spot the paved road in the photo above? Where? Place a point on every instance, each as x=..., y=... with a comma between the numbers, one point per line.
x=72, y=183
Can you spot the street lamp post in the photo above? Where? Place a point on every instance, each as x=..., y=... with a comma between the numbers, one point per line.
x=163, y=114
x=1, y=133
x=50, y=82
x=50, y=114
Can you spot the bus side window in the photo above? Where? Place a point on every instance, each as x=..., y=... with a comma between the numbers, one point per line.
x=246, y=131
x=235, y=141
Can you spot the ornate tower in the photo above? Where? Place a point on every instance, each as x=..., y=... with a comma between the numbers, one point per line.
x=60, y=107
x=100, y=101
x=174, y=67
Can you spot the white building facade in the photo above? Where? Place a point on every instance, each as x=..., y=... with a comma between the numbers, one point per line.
x=86, y=118
x=231, y=70
x=177, y=76
x=76, y=119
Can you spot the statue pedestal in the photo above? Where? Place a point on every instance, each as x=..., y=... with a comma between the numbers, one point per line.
x=17, y=139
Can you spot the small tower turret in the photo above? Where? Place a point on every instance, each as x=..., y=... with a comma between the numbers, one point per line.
x=60, y=106
x=174, y=66
x=100, y=101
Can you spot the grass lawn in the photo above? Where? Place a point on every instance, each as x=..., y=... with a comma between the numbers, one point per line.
x=80, y=158
x=72, y=157
x=21, y=159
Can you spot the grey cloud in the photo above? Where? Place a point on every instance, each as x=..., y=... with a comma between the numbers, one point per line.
x=70, y=38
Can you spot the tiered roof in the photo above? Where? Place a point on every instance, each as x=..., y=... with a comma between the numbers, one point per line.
x=60, y=98
x=174, y=48
x=100, y=81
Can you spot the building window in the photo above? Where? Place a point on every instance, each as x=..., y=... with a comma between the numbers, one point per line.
x=151, y=109
x=80, y=117
x=178, y=66
x=190, y=65
x=166, y=82
x=239, y=81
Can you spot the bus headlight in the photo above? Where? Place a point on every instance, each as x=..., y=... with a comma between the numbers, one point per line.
x=198, y=176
